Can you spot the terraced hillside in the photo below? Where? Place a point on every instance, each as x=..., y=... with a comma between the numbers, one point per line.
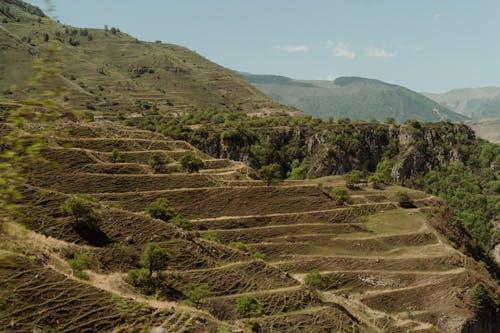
x=115, y=75
x=382, y=268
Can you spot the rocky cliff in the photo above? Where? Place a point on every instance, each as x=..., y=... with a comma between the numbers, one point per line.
x=412, y=148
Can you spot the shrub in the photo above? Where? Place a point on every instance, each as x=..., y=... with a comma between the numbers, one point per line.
x=479, y=298
x=191, y=163
x=157, y=161
x=249, y=306
x=259, y=255
x=196, y=293
x=140, y=278
x=88, y=116
x=181, y=222
x=239, y=246
x=78, y=264
x=81, y=208
x=160, y=209
x=86, y=218
x=340, y=195
x=354, y=177
x=270, y=173
x=116, y=156
x=317, y=280
x=404, y=200
x=154, y=258
x=375, y=180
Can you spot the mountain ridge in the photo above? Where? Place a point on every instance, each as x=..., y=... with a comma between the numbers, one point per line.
x=476, y=103
x=115, y=75
x=353, y=97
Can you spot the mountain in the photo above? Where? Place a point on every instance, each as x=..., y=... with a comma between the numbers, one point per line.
x=353, y=97
x=476, y=103
x=112, y=73
x=108, y=228
x=488, y=129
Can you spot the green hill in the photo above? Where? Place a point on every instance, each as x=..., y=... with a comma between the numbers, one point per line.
x=353, y=97
x=476, y=103
x=112, y=72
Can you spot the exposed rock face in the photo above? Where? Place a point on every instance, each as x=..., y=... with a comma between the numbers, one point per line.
x=423, y=148
x=415, y=149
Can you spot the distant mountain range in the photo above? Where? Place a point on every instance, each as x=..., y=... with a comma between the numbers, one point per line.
x=476, y=103
x=353, y=97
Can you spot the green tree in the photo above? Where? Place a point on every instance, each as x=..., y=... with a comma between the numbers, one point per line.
x=154, y=258
x=140, y=278
x=116, y=156
x=196, y=293
x=249, y=306
x=191, y=163
x=404, y=199
x=181, y=222
x=375, y=179
x=317, y=280
x=340, y=195
x=354, y=177
x=82, y=209
x=270, y=173
x=160, y=209
x=157, y=162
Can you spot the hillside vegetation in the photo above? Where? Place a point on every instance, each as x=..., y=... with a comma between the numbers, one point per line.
x=476, y=103
x=285, y=258
x=115, y=75
x=209, y=217
x=352, y=97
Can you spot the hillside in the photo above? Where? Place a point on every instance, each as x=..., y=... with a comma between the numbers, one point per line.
x=115, y=75
x=167, y=206
x=353, y=97
x=488, y=129
x=476, y=103
x=313, y=263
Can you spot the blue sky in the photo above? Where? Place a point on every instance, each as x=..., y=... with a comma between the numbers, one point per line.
x=425, y=45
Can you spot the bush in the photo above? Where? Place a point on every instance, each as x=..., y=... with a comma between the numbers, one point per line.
x=239, y=246
x=140, y=278
x=191, y=163
x=404, y=200
x=375, y=180
x=479, y=298
x=157, y=162
x=259, y=255
x=354, y=177
x=249, y=306
x=81, y=208
x=88, y=116
x=196, y=293
x=317, y=280
x=160, y=209
x=154, y=258
x=116, y=156
x=86, y=218
x=340, y=195
x=181, y=222
x=78, y=264
x=270, y=173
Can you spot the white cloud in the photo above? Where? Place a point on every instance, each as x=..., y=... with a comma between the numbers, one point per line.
x=292, y=48
x=436, y=16
x=380, y=53
x=341, y=49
